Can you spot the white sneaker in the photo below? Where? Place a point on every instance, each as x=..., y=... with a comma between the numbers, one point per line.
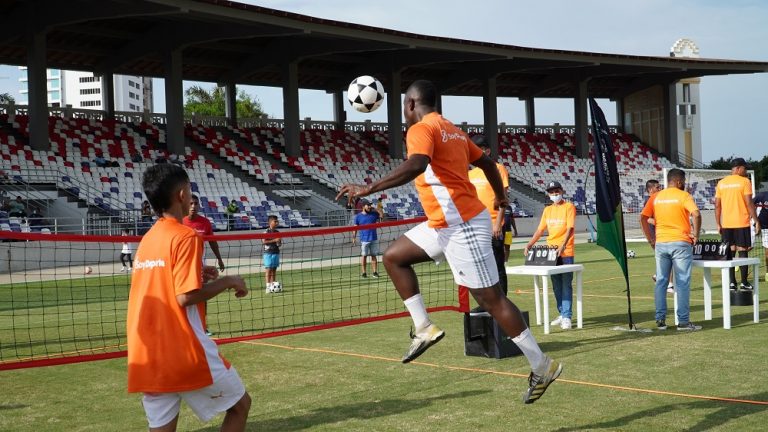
x=556, y=321
x=123, y=270
x=565, y=324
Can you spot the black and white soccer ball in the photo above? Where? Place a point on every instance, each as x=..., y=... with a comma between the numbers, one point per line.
x=630, y=253
x=365, y=93
x=275, y=287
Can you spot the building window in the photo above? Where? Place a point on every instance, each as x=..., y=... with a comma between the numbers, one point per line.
x=90, y=79
x=90, y=91
x=133, y=107
x=55, y=95
x=686, y=93
x=91, y=103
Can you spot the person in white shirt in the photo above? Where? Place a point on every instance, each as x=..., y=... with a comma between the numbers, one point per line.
x=126, y=257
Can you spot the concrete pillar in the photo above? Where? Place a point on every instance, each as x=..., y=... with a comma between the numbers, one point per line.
x=174, y=102
x=580, y=117
x=620, y=115
x=339, y=115
x=530, y=114
x=670, y=123
x=395, y=115
x=108, y=95
x=38, y=92
x=230, y=103
x=291, y=109
x=490, y=116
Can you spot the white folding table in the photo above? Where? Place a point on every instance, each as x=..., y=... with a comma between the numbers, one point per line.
x=544, y=272
x=725, y=267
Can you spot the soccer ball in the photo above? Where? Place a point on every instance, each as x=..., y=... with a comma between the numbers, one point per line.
x=88, y=269
x=630, y=253
x=275, y=287
x=365, y=93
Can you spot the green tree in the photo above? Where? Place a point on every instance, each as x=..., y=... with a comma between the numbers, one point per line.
x=211, y=102
x=760, y=167
x=6, y=98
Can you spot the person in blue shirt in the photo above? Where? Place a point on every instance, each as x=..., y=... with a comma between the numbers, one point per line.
x=761, y=205
x=369, y=240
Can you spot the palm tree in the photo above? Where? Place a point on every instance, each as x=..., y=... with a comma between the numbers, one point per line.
x=6, y=99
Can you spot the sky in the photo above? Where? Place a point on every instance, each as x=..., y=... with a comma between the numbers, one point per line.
x=732, y=107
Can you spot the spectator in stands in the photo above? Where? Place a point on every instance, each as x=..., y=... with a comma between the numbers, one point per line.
x=161, y=160
x=126, y=258
x=652, y=187
x=4, y=177
x=136, y=158
x=733, y=210
x=761, y=202
x=169, y=284
x=146, y=216
x=369, y=240
x=113, y=164
x=672, y=209
x=559, y=220
x=35, y=219
x=17, y=208
x=6, y=205
x=231, y=209
x=486, y=194
x=100, y=161
x=458, y=229
x=271, y=252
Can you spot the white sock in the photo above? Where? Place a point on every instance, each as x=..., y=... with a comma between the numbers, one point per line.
x=418, y=311
x=530, y=348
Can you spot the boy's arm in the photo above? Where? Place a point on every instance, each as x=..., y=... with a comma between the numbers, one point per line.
x=217, y=253
x=212, y=289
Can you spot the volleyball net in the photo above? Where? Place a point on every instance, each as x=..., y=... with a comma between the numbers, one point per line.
x=63, y=298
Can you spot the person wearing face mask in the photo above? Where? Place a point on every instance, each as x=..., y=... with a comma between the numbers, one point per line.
x=559, y=220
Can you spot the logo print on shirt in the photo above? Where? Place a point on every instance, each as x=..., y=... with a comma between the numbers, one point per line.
x=446, y=136
x=148, y=264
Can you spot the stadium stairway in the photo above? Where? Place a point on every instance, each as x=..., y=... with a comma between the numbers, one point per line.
x=270, y=190
x=325, y=201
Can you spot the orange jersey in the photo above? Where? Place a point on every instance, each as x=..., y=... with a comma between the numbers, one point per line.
x=732, y=191
x=168, y=350
x=557, y=219
x=671, y=209
x=444, y=188
x=484, y=189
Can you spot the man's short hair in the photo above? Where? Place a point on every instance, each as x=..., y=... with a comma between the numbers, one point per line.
x=480, y=140
x=675, y=174
x=651, y=183
x=160, y=183
x=271, y=218
x=423, y=92
x=195, y=198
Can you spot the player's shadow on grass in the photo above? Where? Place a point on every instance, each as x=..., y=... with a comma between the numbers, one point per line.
x=339, y=413
x=719, y=413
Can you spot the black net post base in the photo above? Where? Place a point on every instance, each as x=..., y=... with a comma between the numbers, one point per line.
x=484, y=338
x=741, y=298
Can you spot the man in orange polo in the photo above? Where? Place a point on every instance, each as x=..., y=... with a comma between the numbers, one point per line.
x=487, y=196
x=170, y=358
x=458, y=229
x=559, y=220
x=673, y=242
x=733, y=210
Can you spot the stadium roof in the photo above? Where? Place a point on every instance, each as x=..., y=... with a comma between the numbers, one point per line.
x=223, y=41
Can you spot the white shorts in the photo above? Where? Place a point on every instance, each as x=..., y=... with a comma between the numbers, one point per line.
x=466, y=247
x=370, y=248
x=764, y=233
x=207, y=402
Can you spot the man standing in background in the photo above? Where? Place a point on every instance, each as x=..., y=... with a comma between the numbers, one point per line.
x=761, y=202
x=733, y=210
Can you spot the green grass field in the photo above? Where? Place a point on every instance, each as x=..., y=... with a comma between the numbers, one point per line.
x=350, y=378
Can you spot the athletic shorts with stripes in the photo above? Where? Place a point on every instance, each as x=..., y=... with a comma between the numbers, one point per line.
x=466, y=247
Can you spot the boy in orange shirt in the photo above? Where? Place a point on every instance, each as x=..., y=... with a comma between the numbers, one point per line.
x=170, y=358
x=559, y=220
